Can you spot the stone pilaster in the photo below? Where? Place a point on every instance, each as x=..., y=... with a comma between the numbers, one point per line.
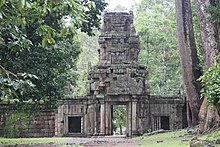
x=102, y=123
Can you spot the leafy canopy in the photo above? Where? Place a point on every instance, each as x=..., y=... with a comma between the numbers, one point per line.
x=155, y=24
x=211, y=84
x=39, y=47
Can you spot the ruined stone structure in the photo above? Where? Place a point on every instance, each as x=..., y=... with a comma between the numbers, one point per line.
x=118, y=80
x=42, y=123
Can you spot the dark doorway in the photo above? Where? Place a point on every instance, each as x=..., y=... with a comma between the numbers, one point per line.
x=165, y=122
x=74, y=124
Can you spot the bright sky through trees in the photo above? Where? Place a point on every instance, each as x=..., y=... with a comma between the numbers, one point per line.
x=126, y=3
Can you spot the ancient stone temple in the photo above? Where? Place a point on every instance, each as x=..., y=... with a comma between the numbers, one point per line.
x=118, y=79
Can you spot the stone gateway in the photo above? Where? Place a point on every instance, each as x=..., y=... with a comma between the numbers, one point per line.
x=118, y=79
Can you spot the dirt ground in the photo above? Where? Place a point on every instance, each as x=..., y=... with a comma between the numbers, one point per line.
x=100, y=142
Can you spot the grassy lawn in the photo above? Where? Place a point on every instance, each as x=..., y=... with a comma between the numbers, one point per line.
x=174, y=139
x=170, y=139
x=13, y=141
x=211, y=136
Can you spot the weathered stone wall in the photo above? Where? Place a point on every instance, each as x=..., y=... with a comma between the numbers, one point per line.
x=171, y=106
x=119, y=79
x=42, y=124
x=88, y=110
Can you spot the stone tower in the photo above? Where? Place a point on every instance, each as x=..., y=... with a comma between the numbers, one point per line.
x=118, y=42
x=118, y=79
x=118, y=72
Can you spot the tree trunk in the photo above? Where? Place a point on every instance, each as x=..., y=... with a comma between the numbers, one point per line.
x=188, y=113
x=120, y=128
x=188, y=58
x=164, y=58
x=208, y=116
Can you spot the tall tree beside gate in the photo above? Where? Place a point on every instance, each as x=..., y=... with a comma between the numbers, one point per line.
x=189, y=60
x=210, y=38
x=207, y=117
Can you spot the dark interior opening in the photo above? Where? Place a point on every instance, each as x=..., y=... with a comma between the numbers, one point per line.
x=74, y=124
x=165, y=122
x=114, y=78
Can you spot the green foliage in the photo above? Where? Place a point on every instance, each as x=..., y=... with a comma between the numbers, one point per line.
x=211, y=84
x=12, y=85
x=39, y=39
x=15, y=122
x=119, y=118
x=169, y=139
x=213, y=135
x=213, y=10
x=155, y=24
x=89, y=55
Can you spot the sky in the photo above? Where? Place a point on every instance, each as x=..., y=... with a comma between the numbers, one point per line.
x=126, y=3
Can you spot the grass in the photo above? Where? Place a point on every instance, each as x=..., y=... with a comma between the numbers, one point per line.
x=169, y=139
x=174, y=139
x=28, y=141
x=214, y=135
x=211, y=136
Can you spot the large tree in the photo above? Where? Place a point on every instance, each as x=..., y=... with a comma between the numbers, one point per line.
x=39, y=47
x=208, y=20
x=189, y=59
x=208, y=14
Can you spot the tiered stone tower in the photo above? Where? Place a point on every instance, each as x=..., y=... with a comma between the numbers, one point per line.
x=118, y=79
x=118, y=42
x=118, y=71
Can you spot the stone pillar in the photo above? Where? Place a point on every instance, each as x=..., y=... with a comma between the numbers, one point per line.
x=134, y=118
x=56, y=123
x=66, y=123
x=60, y=121
x=108, y=119
x=102, y=124
x=95, y=120
x=129, y=118
x=85, y=121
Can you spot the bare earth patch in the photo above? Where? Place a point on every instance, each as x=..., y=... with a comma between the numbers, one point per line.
x=100, y=141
